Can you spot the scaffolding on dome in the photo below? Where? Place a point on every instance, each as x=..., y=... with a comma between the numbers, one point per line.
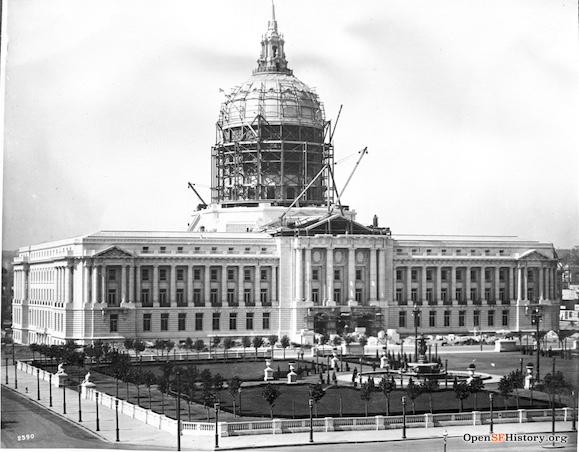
x=270, y=144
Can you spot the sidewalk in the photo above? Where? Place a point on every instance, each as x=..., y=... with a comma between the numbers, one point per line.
x=138, y=434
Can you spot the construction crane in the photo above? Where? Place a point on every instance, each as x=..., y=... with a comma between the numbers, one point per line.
x=203, y=204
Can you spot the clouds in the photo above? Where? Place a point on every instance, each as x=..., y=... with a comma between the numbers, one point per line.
x=469, y=110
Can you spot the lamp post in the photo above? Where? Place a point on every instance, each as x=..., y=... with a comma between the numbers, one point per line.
x=416, y=313
x=491, y=402
x=573, y=426
x=37, y=384
x=64, y=396
x=217, y=425
x=311, y=404
x=553, y=409
x=445, y=435
x=403, y=417
x=536, y=315
x=98, y=426
x=117, y=417
x=79, y=398
x=178, y=410
x=446, y=374
x=239, y=391
x=50, y=390
x=15, y=376
x=7, y=370
x=13, y=353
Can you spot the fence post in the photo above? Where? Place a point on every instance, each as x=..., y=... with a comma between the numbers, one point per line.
x=566, y=413
x=275, y=424
x=379, y=422
x=428, y=420
x=522, y=416
x=329, y=421
x=476, y=418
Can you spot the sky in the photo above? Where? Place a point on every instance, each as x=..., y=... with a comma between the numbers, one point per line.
x=469, y=110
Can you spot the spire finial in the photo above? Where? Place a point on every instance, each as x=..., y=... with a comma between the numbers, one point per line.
x=272, y=25
x=272, y=10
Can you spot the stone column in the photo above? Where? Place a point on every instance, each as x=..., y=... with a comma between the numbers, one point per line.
x=224, y=285
x=408, y=284
x=87, y=285
x=390, y=278
x=526, y=282
x=274, y=281
x=381, y=275
x=123, y=283
x=511, y=292
x=423, y=284
x=373, y=273
x=67, y=278
x=155, y=294
x=189, y=284
x=95, y=284
x=519, y=283
x=132, y=270
x=352, y=274
x=138, y=284
x=497, y=282
x=483, y=283
x=453, y=283
x=438, y=271
x=298, y=271
x=541, y=282
x=207, y=285
x=240, y=285
x=308, y=276
x=257, y=285
x=172, y=295
x=330, y=275
x=468, y=269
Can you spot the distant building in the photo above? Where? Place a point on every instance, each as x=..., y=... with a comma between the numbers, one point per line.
x=275, y=252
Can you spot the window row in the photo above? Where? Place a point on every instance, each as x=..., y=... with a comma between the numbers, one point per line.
x=338, y=274
x=181, y=275
x=459, y=295
x=408, y=319
x=198, y=299
x=475, y=275
x=197, y=249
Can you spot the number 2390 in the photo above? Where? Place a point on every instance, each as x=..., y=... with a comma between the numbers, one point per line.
x=26, y=437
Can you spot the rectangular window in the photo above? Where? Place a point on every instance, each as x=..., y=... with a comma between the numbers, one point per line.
x=502, y=295
x=163, y=298
x=491, y=318
x=458, y=294
x=443, y=275
x=180, y=274
x=414, y=295
x=402, y=319
x=146, y=322
x=337, y=295
x=198, y=321
x=358, y=295
x=112, y=297
x=458, y=275
x=114, y=323
x=180, y=295
x=473, y=294
x=487, y=275
x=505, y=318
x=337, y=274
x=249, y=321
x=399, y=295
x=162, y=274
x=444, y=294
x=213, y=298
x=145, y=250
x=263, y=273
x=112, y=274
x=398, y=275
x=530, y=294
x=263, y=297
x=165, y=322
x=197, y=297
x=473, y=275
x=432, y=318
x=315, y=296
x=247, y=251
x=213, y=273
x=197, y=274
x=197, y=249
x=476, y=318
x=247, y=274
x=315, y=274
x=501, y=275
x=213, y=250
x=230, y=274
x=230, y=296
x=145, y=298
x=530, y=274
x=414, y=275
x=230, y=250
x=233, y=321
x=216, y=321
x=145, y=274
x=429, y=275
x=181, y=321
x=358, y=275
x=446, y=318
x=487, y=295
x=265, y=321
x=179, y=249
x=461, y=317
x=247, y=298
x=429, y=297
x=163, y=249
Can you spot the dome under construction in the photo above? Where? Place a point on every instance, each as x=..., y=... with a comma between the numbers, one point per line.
x=273, y=141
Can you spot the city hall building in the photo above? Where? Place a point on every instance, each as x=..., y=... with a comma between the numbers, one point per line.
x=275, y=251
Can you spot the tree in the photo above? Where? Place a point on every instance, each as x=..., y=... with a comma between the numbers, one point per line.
x=366, y=393
x=363, y=341
x=429, y=385
x=169, y=344
x=139, y=346
x=412, y=392
x=317, y=393
x=272, y=338
x=233, y=385
x=257, y=342
x=189, y=386
x=217, y=384
x=554, y=384
x=188, y=345
x=208, y=400
x=387, y=386
x=227, y=344
x=128, y=343
x=163, y=386
x=199, y=346
x=137, y=378
x=517, y=382
x=270, y=393
x=159, y=345
x=215, y=341
x=285, y=343
x=323, y=340
x=476, y=385
x=120, y=364
x=461, y=392
x=149, y=379
x=505, y=388
x=337, y=341
x=245, y=342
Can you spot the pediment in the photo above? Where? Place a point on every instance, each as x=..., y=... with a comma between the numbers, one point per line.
x=113, y=252
x=533, y=255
